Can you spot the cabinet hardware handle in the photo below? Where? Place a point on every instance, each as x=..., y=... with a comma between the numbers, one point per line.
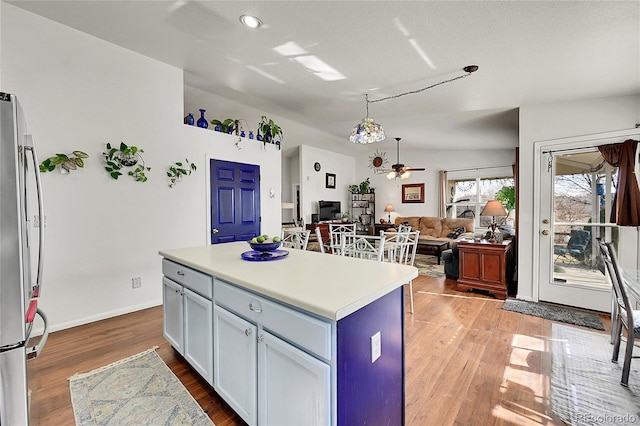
x=180, y=273
x=545, y=221
x=254, y=309
x=247, y=332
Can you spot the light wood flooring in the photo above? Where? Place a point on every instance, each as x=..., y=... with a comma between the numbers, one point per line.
x=468, y=362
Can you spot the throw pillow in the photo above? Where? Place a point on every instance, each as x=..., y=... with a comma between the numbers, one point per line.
x=456, y=233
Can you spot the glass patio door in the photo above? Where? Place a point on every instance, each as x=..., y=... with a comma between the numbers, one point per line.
x=576, y=190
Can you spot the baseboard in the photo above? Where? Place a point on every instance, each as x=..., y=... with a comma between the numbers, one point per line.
x=37, y=331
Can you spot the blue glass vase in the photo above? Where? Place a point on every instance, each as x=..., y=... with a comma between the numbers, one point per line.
x=250, y=134
x=202, y=122
x=259, y=137
x=218, y=128
x=242, y=134
x=190, y=119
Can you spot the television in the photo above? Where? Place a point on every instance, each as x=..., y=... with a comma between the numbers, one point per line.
x=328, y=210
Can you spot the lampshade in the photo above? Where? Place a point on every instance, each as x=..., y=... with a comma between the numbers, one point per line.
x=493, y=208
x=389, y=208
x=288, y=206
x=367, y=131
x=396, y=175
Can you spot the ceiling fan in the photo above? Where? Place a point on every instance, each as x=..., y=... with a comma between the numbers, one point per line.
x=399, y=170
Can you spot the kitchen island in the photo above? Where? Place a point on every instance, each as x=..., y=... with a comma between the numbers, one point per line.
x=307, y=339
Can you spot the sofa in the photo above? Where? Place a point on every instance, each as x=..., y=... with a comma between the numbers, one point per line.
x=439, y=228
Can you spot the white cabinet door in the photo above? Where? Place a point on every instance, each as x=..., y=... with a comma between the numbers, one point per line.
x=294, y=387
x=235, y=359
x=173, y=313
x=198, y=339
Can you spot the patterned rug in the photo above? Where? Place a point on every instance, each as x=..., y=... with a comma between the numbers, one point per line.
x=585, y=384
x=139, y=390
x=555, y=313
x=427, y=265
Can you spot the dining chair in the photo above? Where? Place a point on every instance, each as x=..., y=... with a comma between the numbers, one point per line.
x=625, y=316
x=320, y=239
x=402, y=250
x=297, y=239
x=336, y=233
x=362, y=246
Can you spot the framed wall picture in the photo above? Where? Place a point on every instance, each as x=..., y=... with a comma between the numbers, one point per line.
x=413, y=193
x=331, y=180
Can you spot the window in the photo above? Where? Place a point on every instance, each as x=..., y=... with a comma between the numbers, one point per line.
x=466, y=196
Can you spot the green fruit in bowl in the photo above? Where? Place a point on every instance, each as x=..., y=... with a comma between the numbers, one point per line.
x=260, y=239
x=276, y=239
x=254, y=240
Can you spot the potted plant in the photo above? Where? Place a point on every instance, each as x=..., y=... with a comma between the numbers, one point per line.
x=364, y=186
x=125, y=156
x=67, y=162
x=269, y=130
x=507, y=196
x=179, y=169
x=226, y=126
x=354, y=189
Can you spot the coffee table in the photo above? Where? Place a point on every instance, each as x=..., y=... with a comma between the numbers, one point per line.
x=433, y=247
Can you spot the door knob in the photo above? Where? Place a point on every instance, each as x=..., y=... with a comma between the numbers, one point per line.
x=214, y=231
x=545, y=221
x=545, y=232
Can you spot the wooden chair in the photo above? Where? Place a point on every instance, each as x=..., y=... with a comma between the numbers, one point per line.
x=362, y=247
x=296, y=239
x=625, y=316
x=336, y=233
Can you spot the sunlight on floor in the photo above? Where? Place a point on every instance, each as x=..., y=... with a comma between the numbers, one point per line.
x=522, y=385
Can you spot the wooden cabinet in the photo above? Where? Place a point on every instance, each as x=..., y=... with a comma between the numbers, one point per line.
x=484, y=266
x=377, y=227
x=188, y=315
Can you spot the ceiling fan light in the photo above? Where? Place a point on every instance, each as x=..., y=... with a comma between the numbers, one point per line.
x=391, y=175
x=367, y=131
x=405, y=175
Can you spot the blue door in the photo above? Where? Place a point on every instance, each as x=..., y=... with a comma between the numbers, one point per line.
x=235, y=201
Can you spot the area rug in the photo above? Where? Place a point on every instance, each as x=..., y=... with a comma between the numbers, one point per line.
x=139, y=390
x=585, y=384
x=427, y=265
x=555, y=313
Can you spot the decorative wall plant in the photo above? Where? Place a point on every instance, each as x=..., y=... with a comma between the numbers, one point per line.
x=125, y=156
x=67, y=162
x=179, y=169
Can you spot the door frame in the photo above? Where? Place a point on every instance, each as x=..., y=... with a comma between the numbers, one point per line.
x=560, y=144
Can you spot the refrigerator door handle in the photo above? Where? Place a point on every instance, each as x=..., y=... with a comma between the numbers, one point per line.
x=34, y=351
x=36, y=169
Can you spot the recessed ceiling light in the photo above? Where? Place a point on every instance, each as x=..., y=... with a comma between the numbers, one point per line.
x=250, y=21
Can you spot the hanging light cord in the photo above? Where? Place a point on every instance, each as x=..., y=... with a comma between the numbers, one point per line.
x=468, y=69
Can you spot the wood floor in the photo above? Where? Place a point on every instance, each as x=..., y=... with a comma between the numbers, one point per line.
x=468, y=362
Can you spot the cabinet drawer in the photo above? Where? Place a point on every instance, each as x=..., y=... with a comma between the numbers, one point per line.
x=309, y=333
x=192, y=279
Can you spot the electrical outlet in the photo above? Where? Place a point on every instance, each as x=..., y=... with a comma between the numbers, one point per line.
x=136, y=282
x=376, y=348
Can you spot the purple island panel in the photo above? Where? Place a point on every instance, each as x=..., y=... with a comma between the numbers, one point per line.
x=372, y=393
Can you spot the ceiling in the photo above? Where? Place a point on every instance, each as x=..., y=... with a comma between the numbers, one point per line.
x=528, y=52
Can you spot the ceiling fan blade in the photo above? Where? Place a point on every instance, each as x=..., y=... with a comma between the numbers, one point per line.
x=414, y=169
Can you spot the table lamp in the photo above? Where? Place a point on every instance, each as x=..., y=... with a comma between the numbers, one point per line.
x=493, y=208
x=389, y=209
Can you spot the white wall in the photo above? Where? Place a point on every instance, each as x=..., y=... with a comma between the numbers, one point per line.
x=313, y=184
x=79, y=92
x=559, y=120
x=390, y=191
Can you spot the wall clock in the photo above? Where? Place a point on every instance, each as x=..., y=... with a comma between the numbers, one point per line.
x=316, y=167
x=378, y=160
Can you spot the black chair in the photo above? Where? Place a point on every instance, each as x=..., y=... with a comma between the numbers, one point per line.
x=625, y=316
x=576, y=247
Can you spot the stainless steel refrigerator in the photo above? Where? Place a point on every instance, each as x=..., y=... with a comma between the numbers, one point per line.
x=21, y=251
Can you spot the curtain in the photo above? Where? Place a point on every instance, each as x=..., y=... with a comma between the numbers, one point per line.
x=442, y=179
x=626, y=202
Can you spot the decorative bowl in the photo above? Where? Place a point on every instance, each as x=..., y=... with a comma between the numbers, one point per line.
x=264, y=246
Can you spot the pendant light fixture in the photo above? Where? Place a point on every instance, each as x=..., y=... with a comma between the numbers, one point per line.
x=368, y=131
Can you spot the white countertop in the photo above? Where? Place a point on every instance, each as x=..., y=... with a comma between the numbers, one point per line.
x=328, y=285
